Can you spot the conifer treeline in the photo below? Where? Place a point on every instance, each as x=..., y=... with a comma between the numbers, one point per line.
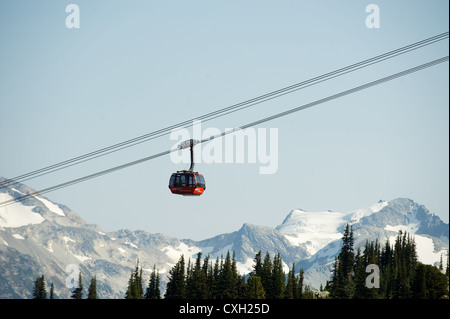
x=205, y=279
x=135, y=288
x=401, y=275
x=40, y=292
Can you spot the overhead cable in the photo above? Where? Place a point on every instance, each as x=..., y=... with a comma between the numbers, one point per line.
x=224, y=111
x=266, y=119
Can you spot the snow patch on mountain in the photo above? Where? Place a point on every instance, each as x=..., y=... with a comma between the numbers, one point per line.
x=17, y=236
x=315, y=230
x=67, y=239
x=80, y=257
x=357, y=214
x=51, y=206
x=17, y=215
x=245, y=267
x=404, y=228
x=174, y=253
x=131, y=244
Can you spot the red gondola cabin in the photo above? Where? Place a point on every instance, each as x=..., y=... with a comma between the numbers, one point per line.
x=187, y=183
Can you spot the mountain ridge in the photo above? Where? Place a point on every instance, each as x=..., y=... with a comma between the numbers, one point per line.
x=34, y=246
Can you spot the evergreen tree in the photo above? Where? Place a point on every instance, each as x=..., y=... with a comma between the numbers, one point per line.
x=196, y=282
x=52, y=291
x=419, y=287
x=140, y=285
x=241, y=287
x=215, y=280
x=266, y=276
x=371, y=255
x=210, y=283
x=77, y=293
x=176, y=286
x=288, y=291
x=257, y=266
x=429, y=283
x=228, y=278
x=153, y=290
x=207, y=270
x=335, y=285
x=361, y=291
x=278, y=278
x=342, y=287
x=295, y=292
x=436, y=283
x=131, y=288
x=92, y=290
x=386, y=256
x=39, y=291
x=401, y=275
x=135, y=288
x=301, y=277
x=189, y=279
x=254, y=288
x=234, y=275
x=291, y=291
x=387, y=271
x=405, y=260
x=347, y=262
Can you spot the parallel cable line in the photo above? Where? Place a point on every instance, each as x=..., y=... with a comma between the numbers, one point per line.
x=224, y=111
x=266, y=119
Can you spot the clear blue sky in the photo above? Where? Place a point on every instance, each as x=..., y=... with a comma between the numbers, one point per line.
x=137, y=66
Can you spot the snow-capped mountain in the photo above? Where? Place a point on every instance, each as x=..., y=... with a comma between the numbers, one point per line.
x=315, y=230
x=320, y=233
x=40, y=237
